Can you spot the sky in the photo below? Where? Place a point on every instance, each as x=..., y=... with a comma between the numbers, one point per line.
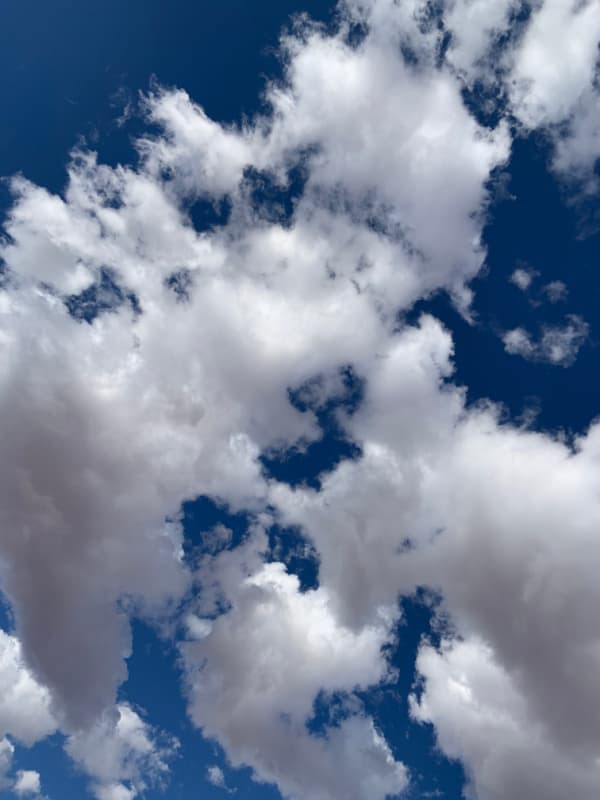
x=299, y=488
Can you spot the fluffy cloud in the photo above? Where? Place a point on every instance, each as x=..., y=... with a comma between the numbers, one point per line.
x=389, y=137
x=555, y=60
x=500, y=522
x=558, y=344
x=253, y=679
x=6, y=756
x=482, y=718
x=476, y=28
x=535, y=555
x=369, y=510
x=522, y=278
x=553, y=80
x=115, y=791
x=27, y=782
x=103, y=410
x=109, y=422
x=556, y=291
x=122, y=754
x=216, y=776
x=25, y=707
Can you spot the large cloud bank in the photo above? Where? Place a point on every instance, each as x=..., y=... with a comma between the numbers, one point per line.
x=109, y=422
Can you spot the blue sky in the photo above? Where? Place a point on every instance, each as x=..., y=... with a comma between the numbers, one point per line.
x=299, y=344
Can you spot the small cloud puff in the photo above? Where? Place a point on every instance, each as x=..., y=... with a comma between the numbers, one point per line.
x=555, y=291
x=27, y=782
x=559, y=344
x=123, y=754
x=115, y=791
x=216, y=776
x=25, y=707
x=6, y=756
x=523, y=278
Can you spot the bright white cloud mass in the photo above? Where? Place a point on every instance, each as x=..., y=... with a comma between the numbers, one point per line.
x=109, y=421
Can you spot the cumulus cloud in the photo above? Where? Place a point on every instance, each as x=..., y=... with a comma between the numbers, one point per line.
x=122, y=753
x=552, y=80
x=483, y=719
x=216, y=776
x=558, y=344
x=253, y=679
x=523, y=278
x=145, y=363
x=27, y=782
x=105, y=433
x=115, y=791
x=6, y=756
x=553, y=86
x=500, y=522
x=373, y=505
x=555, y=291
x=25, y=705
x=476, y=27
x=555, y=60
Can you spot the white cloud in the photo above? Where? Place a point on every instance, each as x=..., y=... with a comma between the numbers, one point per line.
x=476, y=27
x=108, y=427
x=25, y=708
x=483, y=720
x=253, y=680
x=27, y=782
x=392, y=136
x=543, y=65
x=122, y=754
x=6, y=756
x=368, y=509
x=197, y=628
x=522, y=278
x=91, y=412
x=216, y=776
x=552, y=83
x=115, y=791
x=555, y=60
x=555, y=291
x=518, y=342
x=501, y=522
x=558, y=344
x=579, y=149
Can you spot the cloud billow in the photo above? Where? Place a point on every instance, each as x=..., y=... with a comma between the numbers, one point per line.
x=175, y=379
